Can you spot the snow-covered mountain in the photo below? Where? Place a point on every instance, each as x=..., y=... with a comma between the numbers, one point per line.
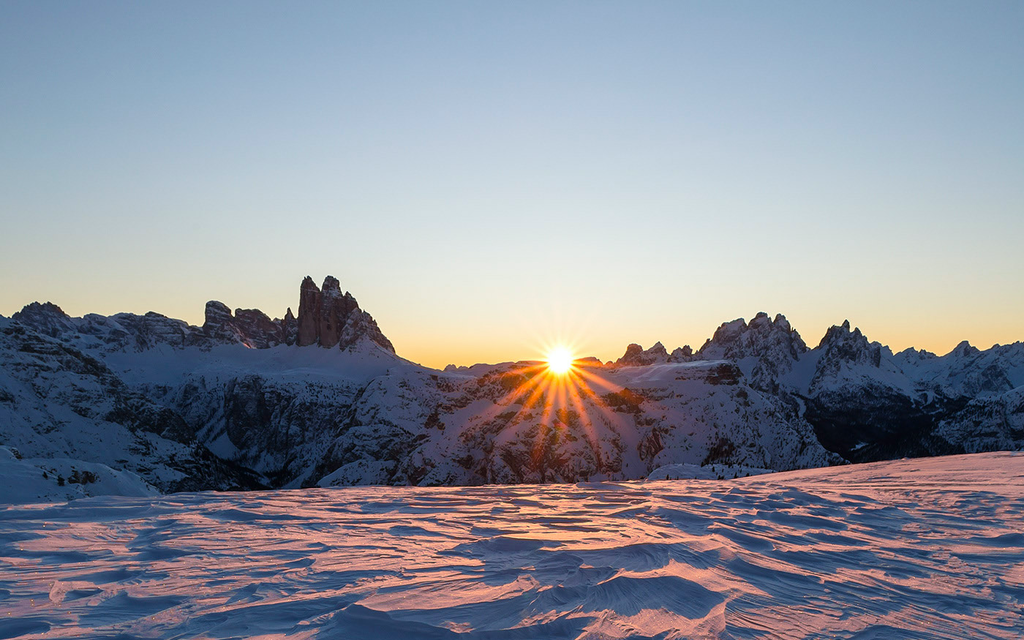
x=864, y=402
x=321, y=398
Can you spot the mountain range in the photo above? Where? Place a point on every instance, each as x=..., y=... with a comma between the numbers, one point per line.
x=136, y=404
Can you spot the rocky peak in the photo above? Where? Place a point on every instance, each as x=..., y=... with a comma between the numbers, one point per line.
x=327, y=317
x=261, y=331
x=308, y=323
x=964, y=350
x=217, y=314
x=633, y=351
x=772, y=342
x=781, y=322
x=727, y=334
x=763, y=337
x=761, y=322
x=46, y=318
x=681, y=354
x=219, y=324
x=636, y=355
x=152, y=329
x=335, y=311
x=841, y=345
x=658, y=349
x=290, y=327
x=910, y=354
x=250, y=327
x=330, y=318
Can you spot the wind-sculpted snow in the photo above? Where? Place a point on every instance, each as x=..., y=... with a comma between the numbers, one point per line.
x=929, y=548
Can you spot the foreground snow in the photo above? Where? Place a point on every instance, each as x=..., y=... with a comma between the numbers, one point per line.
x=926, y=548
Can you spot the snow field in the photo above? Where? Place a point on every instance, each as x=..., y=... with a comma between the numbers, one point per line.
x=925, y=548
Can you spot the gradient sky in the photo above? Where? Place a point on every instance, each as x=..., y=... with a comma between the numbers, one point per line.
x=487, y=178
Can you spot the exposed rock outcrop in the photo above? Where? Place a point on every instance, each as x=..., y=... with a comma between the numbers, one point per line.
x=768, y=347
x=219, y=323
x=327, y=317
x=250, y=327
x=637, y=356
x=330, y=318
x=762, y=337
x=290, y=327
x=46, y=318
x=261, y=331
x=842, y=348
x=681, y=354
x=308, y=323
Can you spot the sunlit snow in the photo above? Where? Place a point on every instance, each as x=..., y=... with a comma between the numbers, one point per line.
x=909, y=549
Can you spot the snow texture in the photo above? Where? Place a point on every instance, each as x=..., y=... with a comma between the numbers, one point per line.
x=925, y=548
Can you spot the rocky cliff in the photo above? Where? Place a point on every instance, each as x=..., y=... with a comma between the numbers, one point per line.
x=327, y=318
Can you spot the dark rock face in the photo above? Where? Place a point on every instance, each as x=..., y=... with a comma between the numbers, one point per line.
x=840, y=345
x=46, y=318
x=874, y=423
x=330, y=318
x=327, y=317
x=992, y=423
x=308, y=325
x=261, y=331
x=682, y=354
x=636, y=356
x=219, y=323
x=290, y=327
x=335, y=309
x=250, y=327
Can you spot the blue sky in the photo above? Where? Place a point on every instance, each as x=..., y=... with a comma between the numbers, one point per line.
x=487, y=178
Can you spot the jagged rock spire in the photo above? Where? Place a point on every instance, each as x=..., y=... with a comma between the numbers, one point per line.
x=330, y=318
x=327, y=317
x=309, y=313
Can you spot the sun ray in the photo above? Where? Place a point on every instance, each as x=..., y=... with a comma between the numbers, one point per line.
x=584, y=417
x=557, y=400
x=592, y=378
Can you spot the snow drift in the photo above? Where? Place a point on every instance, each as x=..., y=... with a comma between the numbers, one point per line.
x=927, y=548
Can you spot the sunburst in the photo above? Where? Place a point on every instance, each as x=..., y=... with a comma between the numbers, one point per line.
x=557, y=393
x=560, y=361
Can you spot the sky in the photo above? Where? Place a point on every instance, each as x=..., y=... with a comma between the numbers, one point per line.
x=489, y=179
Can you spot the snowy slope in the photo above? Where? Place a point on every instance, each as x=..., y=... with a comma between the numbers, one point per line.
x=30, y=480
x=59, y=402
x=928, y=548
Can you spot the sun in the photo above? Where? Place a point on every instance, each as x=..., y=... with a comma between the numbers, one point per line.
x=559, y=360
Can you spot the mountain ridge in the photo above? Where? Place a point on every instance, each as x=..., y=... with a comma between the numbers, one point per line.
x=238, y=403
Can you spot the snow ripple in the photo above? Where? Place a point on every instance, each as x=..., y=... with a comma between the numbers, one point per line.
x=911, y=549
